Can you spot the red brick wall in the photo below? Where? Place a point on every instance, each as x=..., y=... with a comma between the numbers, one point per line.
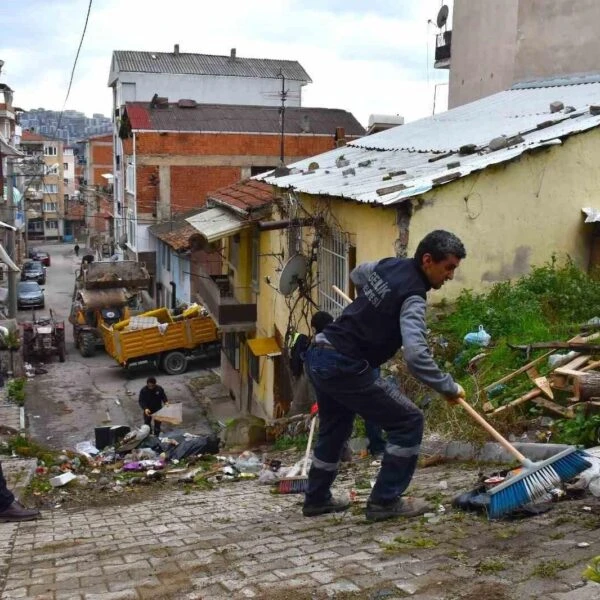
x=147, y=183
x=186, y=144
x=189, y=185
x=102, y=155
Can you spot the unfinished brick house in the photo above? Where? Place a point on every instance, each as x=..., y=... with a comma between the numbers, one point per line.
x=175, y=153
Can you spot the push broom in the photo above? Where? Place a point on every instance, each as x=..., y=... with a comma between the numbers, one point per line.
x=299, y=484
x=535, y=480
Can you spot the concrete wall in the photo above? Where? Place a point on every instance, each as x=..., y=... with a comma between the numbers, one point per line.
x=557, y=37
x=207, y=89
x=483, y=49
x=496, y=44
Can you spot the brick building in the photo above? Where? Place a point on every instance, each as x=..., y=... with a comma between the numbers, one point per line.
x=174, y=154
x=97, y=192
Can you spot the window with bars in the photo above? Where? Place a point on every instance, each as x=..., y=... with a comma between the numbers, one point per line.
x=335, y=260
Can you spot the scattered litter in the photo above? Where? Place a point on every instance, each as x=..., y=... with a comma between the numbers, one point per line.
x=583, y=545
x=478, y=338
x=63, y=479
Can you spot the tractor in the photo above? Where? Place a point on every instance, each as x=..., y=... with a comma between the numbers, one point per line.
x=104, y=294
x=43, y=337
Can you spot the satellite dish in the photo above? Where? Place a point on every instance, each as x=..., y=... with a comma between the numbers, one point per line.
x=442, y=16
x=294, y=271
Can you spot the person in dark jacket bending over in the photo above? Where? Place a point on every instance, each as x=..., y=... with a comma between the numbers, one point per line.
x=152, y=398
x=388, y=313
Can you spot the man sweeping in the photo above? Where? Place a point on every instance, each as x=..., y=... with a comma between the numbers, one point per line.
x=388, y=313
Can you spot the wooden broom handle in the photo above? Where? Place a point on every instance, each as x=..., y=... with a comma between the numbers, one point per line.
x=344, y=296
x=499, y=438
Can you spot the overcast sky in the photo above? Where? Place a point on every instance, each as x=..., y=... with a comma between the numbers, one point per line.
x=365, y=56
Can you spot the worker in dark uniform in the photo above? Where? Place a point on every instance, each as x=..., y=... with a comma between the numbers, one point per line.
x=10, y=509
x=342, y=362
x=152, y=399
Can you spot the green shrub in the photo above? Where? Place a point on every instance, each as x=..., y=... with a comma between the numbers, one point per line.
x=15, y=390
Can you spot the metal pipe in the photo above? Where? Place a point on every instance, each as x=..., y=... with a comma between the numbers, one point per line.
x=272, y=225
x=10, y=241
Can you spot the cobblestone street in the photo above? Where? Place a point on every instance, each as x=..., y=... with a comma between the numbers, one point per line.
x=240, y=541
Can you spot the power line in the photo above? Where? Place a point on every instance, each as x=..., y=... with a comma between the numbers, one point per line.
x=87, y=17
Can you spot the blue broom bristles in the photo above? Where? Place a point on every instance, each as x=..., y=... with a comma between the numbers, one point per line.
x=535, y=481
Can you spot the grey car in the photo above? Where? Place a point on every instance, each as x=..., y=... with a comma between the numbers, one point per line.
x=30, y=295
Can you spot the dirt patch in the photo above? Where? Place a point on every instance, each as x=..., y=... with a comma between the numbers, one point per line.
x=489, y=591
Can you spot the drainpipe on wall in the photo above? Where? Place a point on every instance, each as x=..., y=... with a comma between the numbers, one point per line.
x=134, y=242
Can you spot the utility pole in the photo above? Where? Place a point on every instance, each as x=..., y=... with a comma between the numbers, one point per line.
x=10, y=239
x=282, y=116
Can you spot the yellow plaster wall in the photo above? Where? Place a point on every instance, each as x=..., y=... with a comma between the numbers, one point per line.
x=515, y=216
x=372, y=229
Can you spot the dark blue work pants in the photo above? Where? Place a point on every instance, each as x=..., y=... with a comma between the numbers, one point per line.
x=345, y=387
x=6, y=496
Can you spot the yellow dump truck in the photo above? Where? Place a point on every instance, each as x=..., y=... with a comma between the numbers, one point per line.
x=169, y=340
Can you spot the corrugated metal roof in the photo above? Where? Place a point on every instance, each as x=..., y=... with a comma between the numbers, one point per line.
x=208, y=64
x=409, y=160
x=239, y=118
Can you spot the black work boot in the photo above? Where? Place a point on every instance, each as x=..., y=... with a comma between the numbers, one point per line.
x=16, y=512
x=402, y=507
x=333, y=505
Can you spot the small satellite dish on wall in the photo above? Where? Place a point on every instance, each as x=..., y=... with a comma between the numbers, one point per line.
x=442, y=16
x=293, y=273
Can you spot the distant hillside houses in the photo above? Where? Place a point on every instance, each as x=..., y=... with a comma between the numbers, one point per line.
x=74, y=125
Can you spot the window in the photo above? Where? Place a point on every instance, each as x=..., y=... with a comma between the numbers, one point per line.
x=255, y=259
x=130, y=178
x=168, y=253
x=334, y=267
x=51, y=224
x=50, y=188
x=65, y=166
x=65, y=182
x=231, y=349
x=50, y=150
x=49, y=206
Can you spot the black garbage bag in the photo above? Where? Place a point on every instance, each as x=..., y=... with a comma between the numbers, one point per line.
x=203, y=444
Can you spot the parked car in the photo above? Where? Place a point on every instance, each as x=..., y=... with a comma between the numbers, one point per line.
x=30, y=295
x=33, y=270
x=43, y=257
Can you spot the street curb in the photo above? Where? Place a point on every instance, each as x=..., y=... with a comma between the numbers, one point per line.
x=491, y=451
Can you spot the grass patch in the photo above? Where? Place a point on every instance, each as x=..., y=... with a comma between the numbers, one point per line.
x=15, y=390
x=507, y=533
x=287, y=441
x=556, y=536
x=491, y=565
x=549, y=569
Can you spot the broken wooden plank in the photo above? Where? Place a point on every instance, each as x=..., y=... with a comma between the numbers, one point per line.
x=521, y=400
x=575, y=346
x=520, y=370
x=553, y=407
x=591, y=366
x=543, y=384
x=569, y=372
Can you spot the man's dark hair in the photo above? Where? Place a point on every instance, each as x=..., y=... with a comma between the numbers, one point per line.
x=151, y=380
x=440, y=244
x=320, y=320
